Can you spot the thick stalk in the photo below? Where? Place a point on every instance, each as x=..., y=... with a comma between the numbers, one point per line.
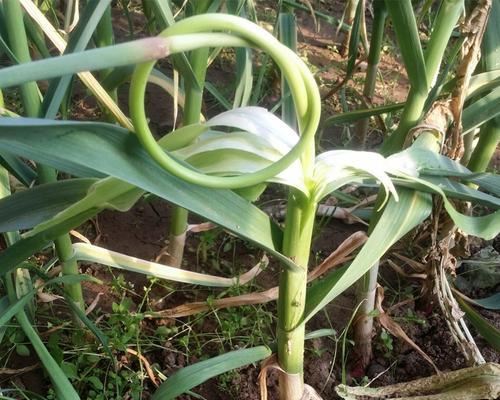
x=363, y=325
x=192, y=110
x=443, y=26
x=380, y=15
x=32, y=108
x=366, y=287
x=489, y=137
x=292, y=294
x=296, y=245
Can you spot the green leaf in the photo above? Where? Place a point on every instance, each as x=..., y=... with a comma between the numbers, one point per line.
x=19, y=169
x=481, y=111
x=4, y=305
x=490, y=303
x=489, y=182
x=12, y=256
x=488, y=331
x=193, y=375
x=75, y=147
x=103, y=339
x=485, y=226
x=181, y=62
x=354, y=39
x=12, y=309
x=452, y=189
x=397, y=219
x=356, y=115
x=403, y=21
x=27, y=208
x=9, y=310
x=78, y=40
x=483, y=82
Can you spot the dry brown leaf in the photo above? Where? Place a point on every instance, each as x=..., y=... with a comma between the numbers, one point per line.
x=48, y=297
x=203, y=227
x=147, y=365
x=78, y=235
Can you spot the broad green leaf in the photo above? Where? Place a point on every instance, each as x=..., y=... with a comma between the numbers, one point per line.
x=486, y=226
x=490, y=302
x=17, y=168
x=287, y=30
x=416, y=160
x=337, y=164
x=483, y=82
x=397, y=219
x=259, y=122
x=193, y=375
x=244, y=68
x=481, y=111
x=489, y=135
x=488, y=331
x=452, y=189
x=64, y=388
x=489, y=182
x=27, y=208
x=12, y=256
x=110, y=150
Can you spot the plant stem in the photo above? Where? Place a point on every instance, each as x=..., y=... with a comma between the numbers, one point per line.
x=32, y=107
x=443, y=26
x=363, y=326
x=380, y=15
x=192, y=110
x=489, y=137
x=292, y=295
x=296, y=245
x=445, y=21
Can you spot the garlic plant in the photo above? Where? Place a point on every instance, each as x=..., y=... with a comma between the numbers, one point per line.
x=200, y=166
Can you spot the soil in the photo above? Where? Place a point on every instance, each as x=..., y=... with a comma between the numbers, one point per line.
x=142, y=231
